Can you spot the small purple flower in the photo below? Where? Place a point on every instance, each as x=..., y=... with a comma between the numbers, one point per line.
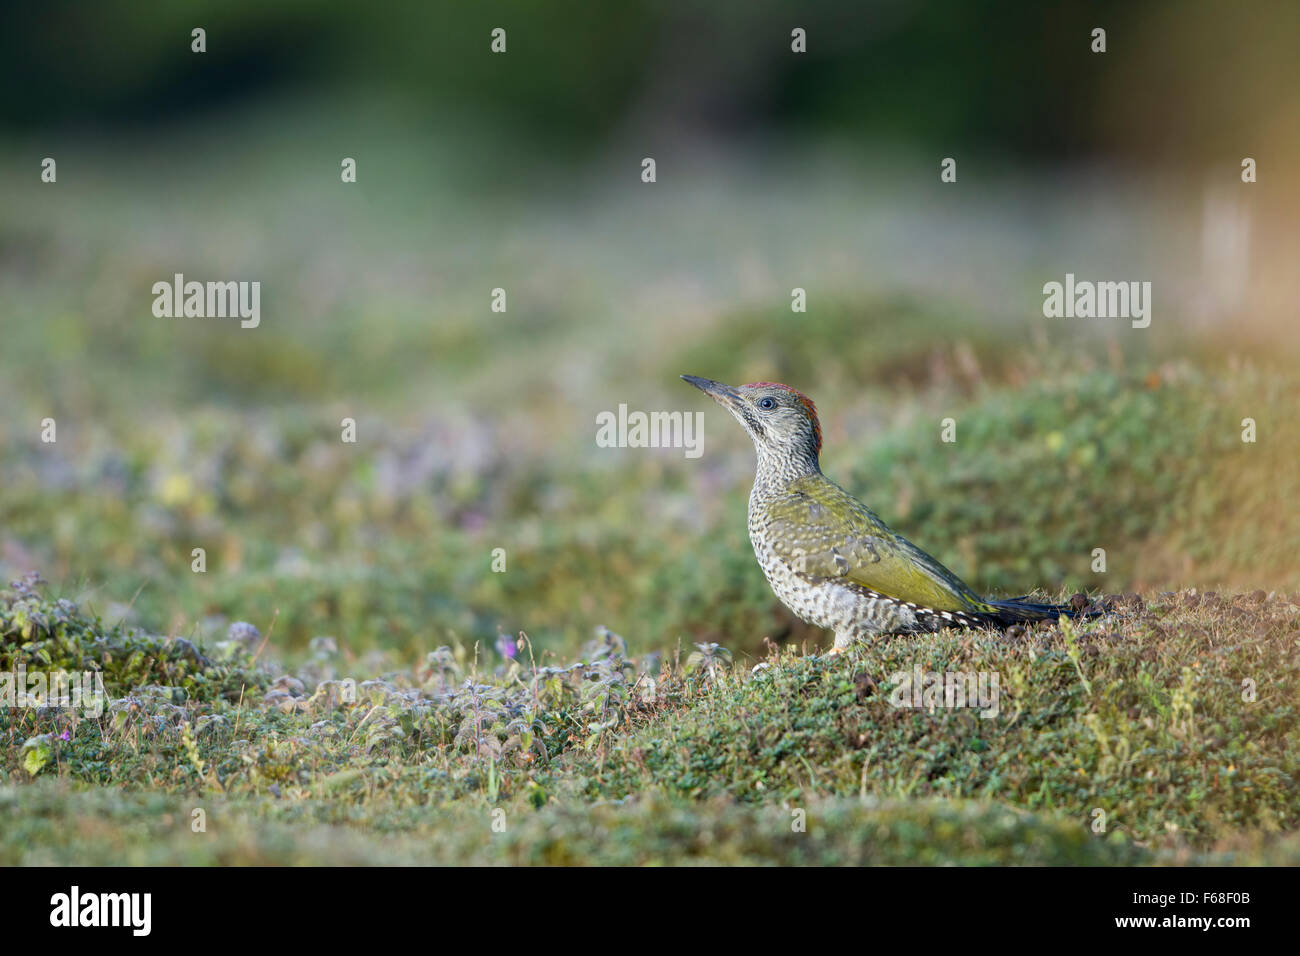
x=506, y=646
x=65, y=735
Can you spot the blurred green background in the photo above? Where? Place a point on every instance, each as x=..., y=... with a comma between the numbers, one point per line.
x=522, y=171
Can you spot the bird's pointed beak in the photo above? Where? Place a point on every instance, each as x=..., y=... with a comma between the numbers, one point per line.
x=724, y=395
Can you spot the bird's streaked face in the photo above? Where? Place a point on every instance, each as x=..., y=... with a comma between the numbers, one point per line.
x=781, y=420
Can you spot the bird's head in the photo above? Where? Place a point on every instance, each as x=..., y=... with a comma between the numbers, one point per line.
x=781, y=420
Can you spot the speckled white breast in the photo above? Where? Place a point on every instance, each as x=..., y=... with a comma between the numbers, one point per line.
x=849, y=610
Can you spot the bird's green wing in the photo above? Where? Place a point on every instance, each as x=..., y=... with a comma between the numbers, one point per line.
x=825, y=533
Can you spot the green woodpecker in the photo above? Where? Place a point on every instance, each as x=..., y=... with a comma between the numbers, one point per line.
x=827, y=556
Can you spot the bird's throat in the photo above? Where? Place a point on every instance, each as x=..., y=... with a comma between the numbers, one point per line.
x=775, y=469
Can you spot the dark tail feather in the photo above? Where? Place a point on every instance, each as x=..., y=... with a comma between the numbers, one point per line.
x=1018, y=611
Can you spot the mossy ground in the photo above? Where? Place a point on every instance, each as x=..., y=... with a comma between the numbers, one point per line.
x=1136, y=723
x=374, y=560
x=1127, y=739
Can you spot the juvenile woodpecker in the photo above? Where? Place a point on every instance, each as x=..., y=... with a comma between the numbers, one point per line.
x=827, y=556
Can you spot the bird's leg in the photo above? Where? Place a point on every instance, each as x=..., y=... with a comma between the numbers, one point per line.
x=842, y=642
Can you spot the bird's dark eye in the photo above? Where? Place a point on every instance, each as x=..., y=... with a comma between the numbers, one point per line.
x=767, y=404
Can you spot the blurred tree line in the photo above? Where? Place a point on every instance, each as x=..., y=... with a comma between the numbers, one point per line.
x=1016, y=74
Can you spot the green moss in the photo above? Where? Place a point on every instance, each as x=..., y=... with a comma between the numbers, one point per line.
x=1128, y=740
x=40, y=635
